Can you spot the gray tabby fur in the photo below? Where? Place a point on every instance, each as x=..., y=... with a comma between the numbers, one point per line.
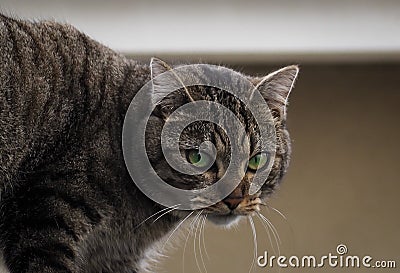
x=67, y=202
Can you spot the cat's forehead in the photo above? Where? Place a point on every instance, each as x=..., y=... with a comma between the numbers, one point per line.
x=205, y=130
x=225, y=99
x=226, y=88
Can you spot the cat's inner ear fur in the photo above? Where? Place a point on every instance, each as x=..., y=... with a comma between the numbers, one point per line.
x=162, y=85
x=158, y=67
x=276, y=87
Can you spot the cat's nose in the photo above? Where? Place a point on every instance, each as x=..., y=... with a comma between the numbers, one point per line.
x=232, y=202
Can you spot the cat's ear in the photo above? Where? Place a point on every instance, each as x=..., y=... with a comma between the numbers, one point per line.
x=276, y=88
x=163, y=85
x=158, y=67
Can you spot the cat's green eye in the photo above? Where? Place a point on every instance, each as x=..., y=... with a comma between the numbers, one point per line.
x=198, y=159
x=258, y=161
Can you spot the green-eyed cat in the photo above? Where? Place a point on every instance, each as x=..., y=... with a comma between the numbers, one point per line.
x=67, y=201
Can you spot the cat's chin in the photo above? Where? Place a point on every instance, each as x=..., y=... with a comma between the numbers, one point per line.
x=226, y=221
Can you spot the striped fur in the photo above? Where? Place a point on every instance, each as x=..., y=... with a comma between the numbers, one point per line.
x=63, y=180
x=67, y=202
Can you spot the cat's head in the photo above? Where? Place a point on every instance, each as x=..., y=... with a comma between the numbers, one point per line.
x=275, y=89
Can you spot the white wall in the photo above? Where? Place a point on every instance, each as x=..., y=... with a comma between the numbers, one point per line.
x=247, y=30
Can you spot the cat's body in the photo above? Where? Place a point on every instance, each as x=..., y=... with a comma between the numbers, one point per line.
x=67, y=202
x=61, y=89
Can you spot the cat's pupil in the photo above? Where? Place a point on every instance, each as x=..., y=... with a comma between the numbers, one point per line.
x=258, y=161
x=194, y=156
x=197, y=157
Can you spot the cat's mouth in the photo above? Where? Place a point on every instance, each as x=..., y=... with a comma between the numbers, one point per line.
x=228, y=213
x=222, y=214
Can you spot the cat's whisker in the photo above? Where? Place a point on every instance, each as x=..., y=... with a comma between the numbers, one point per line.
x=204, y=243
x=279, y=212
x=187, y=238
x=253, y=229
x=194, y=242
x=267, y=230
x=154, y=214
x=273, y=230
x=200, y=249
x=166, y=212
x=176, y=228
x=283, y=217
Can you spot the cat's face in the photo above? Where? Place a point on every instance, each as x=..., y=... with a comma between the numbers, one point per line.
x=275, y=89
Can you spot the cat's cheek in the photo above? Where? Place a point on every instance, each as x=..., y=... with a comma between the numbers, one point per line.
x=153, y=141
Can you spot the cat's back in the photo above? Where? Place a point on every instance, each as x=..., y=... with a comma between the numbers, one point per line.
x=59, y=90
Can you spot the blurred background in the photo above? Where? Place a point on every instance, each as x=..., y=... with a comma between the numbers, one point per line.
x=343, y=184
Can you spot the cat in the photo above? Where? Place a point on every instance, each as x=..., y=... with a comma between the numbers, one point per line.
x=67, y=201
